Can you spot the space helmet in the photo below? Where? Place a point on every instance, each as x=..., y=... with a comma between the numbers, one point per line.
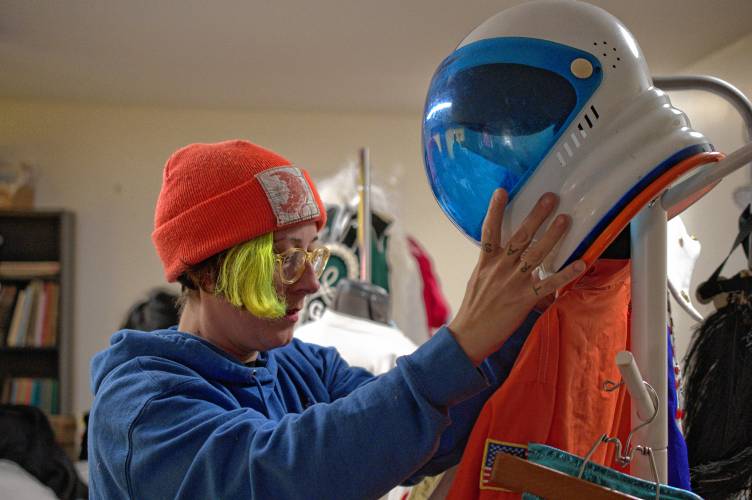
x=553, y=95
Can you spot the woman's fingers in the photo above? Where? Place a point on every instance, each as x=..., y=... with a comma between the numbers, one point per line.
x=490, y=243
x=524, y=235
x=535, y=253
x=558, y=280
x=502, y=288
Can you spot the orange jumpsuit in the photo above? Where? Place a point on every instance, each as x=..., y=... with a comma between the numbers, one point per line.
x=554, y=394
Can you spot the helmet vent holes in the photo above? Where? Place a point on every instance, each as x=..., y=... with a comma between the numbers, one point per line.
x=578, y=137
x=588, y=120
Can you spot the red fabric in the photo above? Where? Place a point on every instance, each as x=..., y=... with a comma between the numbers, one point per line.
x=554, y=394
x=215, y=196
x=437, y=308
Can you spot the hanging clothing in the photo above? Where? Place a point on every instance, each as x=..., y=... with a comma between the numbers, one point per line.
x=604, y=476
x=678, y=462
x=362, y=343
x=554, y=394
x=437, y=308
x=392, y=266
x=718, y=383
x=675, y=367
x=682, y=252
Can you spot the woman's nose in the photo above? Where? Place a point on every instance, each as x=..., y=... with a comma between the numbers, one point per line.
x=308, y=282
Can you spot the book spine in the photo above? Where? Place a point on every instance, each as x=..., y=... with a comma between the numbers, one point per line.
x=16, y=321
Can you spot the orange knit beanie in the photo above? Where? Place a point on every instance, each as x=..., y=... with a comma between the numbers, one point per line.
x=215, y=196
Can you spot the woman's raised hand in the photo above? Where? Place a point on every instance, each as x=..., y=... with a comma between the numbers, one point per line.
x=503, y=288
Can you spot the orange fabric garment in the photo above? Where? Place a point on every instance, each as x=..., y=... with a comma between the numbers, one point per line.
x=554, y=393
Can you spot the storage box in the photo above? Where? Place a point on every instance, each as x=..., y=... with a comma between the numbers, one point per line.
x=16, y=187
x=66, y=433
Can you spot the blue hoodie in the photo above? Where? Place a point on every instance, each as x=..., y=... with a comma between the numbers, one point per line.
x=175, y=417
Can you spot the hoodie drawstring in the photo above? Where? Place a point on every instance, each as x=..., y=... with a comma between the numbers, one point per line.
x=261, y=393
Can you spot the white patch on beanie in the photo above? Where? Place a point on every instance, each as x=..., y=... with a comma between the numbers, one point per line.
x=289, y=195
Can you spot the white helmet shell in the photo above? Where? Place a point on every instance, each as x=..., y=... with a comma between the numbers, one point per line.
x=550, y=96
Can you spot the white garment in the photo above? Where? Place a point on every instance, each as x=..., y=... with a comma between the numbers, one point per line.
x=405, y=280
x=682, y=252
x=82, y=467
x=15, y=482
x=360, y=342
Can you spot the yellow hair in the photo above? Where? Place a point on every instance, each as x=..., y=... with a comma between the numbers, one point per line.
x=246, y=278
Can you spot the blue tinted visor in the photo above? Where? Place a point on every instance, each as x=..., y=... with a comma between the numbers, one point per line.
x=494, y=110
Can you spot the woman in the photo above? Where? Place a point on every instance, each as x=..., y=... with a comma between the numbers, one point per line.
x=229, y=405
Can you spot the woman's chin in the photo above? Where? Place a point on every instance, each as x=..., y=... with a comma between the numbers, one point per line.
x=282, y=335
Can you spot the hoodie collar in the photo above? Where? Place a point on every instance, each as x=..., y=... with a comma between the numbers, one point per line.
x=194, y=352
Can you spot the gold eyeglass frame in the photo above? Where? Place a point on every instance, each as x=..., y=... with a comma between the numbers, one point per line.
x=309, y=256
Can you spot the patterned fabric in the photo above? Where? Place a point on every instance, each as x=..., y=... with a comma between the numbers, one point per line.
x=570, y=464
x=492, y=449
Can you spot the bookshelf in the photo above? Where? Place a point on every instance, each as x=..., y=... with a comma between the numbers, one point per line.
x=36, y=310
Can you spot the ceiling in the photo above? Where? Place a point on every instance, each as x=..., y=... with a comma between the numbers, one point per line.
x=314, y=55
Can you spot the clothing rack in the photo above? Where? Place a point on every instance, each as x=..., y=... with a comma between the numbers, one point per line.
x=649, y=290
x=361, y=298
x=364, y=214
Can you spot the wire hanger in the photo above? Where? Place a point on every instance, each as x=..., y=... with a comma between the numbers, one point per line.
x=645, y=398
x=624, y=455
x=520, y=475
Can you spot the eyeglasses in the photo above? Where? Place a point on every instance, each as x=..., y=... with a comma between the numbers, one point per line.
x=291, y=263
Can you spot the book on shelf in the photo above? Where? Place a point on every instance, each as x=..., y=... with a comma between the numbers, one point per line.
x=15, y=322
x=31, y=269
x=50, y=328
x=35, y=315
x=40, y=392
x=35, y=333
x=25, y=330
x=8, y=294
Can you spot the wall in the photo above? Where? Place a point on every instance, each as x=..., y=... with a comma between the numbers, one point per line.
x=713, y=220
x=104, y=163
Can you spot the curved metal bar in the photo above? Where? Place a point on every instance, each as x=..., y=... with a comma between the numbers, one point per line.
x=733, y=96
x=719, y=87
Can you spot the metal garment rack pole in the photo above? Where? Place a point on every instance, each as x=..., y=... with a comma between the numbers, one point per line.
x=649, y=292
x=649, y=347
x=364, y=215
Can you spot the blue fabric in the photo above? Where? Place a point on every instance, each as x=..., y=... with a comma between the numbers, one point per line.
x=604, y=476
x=174, y=417
x=678, y=462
